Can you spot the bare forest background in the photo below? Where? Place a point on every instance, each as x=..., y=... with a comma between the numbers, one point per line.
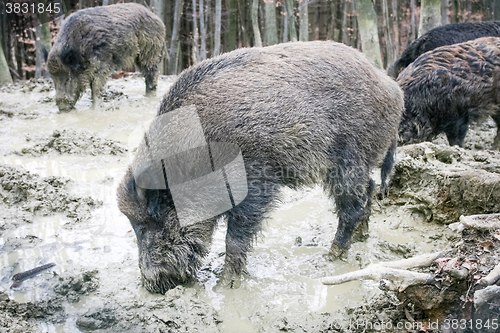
x=200, y=29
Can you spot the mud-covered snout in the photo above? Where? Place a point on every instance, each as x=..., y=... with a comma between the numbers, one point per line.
x=67, y=93
x=163, y=261
x=65, y=104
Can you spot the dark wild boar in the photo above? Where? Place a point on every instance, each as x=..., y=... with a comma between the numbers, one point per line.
x=448, y=88
x=444, y=35
x=94, y=42
x=302, y=114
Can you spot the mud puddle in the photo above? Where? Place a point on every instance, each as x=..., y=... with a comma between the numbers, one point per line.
x=61, y=208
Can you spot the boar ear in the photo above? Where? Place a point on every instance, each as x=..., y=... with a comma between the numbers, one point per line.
x=71, y=58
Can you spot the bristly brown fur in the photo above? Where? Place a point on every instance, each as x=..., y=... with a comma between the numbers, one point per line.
x=449, y=87
x=447, y=34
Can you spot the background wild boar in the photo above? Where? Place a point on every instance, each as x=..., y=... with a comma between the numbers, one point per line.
x=447, y=88
x=301, y=113
x=444, y=35
x=94, y=42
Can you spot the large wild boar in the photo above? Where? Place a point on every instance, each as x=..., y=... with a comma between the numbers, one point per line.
x=300, y=113
x=444, y=35
x=448, y=88
x=94, y=42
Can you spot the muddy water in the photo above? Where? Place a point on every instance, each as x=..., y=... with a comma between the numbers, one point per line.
x=284, y=270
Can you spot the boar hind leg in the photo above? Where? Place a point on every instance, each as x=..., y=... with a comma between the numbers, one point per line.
x=243, y=224
x=150, y=73
x=351, y=187
x=496, y=142
x=387, y=168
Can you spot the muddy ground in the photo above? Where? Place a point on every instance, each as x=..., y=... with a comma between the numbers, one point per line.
x=58, y=177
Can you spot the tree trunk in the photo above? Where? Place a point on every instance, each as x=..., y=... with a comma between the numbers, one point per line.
x=303, y=21
x=390, y=40
x=172, y=63
x=271, y=30
x=158, y=9
x=232, y=7
x=367, y=21
x=5, y=76
x=285, y=23
x=105, y=2
x=395, y=22
x=291, y=20
x=430, y=15
x=42, y=45
x=218, y=21
x=413, y=22
x=255, y=24
x=345, y=35
x=445, y=12
x=496, y=10
x=195, y=49
x=203, y=29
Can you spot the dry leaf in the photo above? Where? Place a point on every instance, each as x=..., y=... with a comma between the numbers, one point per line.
x=486, y=245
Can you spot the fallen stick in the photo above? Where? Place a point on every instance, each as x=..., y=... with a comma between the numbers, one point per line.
x=481, y=221
x=492, y=277
x=394, y=271
x=20, y=277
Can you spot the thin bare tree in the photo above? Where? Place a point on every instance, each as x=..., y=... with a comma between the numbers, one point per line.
x=172, y=63
x=218, y=22
x=303, y=21
x=271, y=29
x=255, y=24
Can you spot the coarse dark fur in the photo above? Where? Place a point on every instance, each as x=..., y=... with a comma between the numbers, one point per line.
x=444, y=35
x=448, y=88
x=302, y=114
x=94, y=42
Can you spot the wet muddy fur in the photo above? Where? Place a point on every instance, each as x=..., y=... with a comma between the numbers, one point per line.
x=448, y=88
x=444, y=35
x=95, y=42
x=302, y=114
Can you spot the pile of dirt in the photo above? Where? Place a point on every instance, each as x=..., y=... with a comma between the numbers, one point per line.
x=440, y=183
x=21, y=317
x=24, y=194
x=178, y=311
x=73, y=142
x=109, y=95
x=15, y=111
x=32, y=85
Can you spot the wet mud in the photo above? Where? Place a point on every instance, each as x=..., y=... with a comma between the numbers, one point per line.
x=58, y=179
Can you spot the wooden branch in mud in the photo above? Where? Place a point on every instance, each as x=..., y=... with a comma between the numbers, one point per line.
x=395, y=272
x=481, y=221
x=492, y=277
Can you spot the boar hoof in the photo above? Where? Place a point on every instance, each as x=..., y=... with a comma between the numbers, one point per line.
x=229, y=280
x=337, y=252
x=361, y=232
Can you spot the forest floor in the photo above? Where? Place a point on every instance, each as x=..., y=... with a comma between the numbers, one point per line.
x=58, y=179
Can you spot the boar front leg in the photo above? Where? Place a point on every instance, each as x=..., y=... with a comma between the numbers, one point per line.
x=351, y=187
x=244, y=221
x=96, y=88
